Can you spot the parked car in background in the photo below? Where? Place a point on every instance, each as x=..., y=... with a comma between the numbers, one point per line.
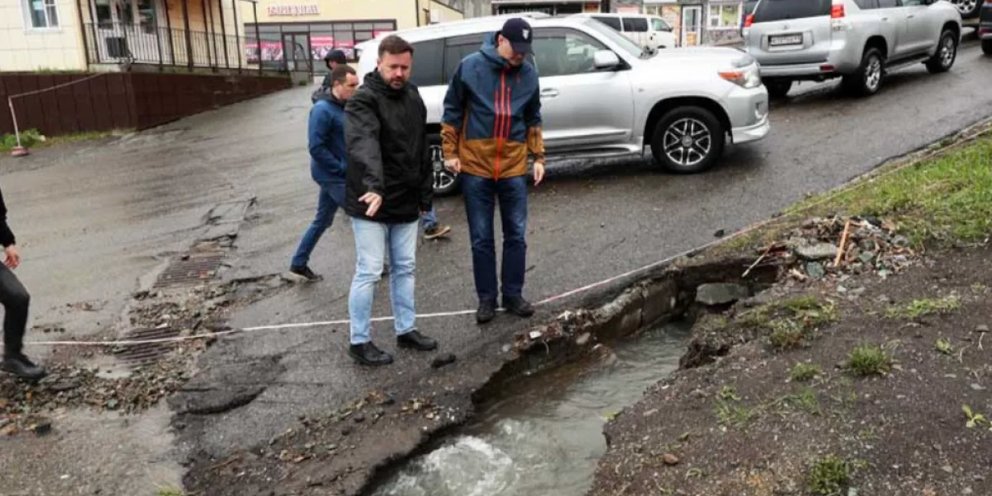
x=857, y=40
x=602, y=96
x=645, y=30
x=985, y=27
x=969, y=8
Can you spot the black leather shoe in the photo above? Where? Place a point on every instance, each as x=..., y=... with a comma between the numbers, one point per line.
x=486, y=312
x=20, y=366
x=369, y=354
x=517, y=305
x=414, y=339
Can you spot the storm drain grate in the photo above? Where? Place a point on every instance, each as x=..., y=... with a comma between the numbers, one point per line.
x=191, y=269
x=145, y=353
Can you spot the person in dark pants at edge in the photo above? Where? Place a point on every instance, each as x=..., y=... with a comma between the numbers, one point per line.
x=333, y=59
x=491, y=123
x=15, y=300
x=328, y=163
x=390, y=185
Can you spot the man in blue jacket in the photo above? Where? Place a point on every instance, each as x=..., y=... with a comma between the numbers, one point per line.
x=328, y=162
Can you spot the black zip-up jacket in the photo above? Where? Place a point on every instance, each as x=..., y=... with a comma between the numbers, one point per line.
x=6, y=235
x=387, y=151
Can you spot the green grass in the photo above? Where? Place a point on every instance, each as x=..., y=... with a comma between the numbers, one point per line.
x=829, y=476
x=867, y=360
x=924, y=307
x=803, y=372
x=169, y=492
x=31, y=138
x=733, y=414
x=786, y=334
x=805, y=400
x=944, y=200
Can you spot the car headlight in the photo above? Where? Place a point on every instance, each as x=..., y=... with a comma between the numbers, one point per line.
x=745, y=77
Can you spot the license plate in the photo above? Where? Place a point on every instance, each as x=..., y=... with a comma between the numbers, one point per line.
x=787, y=39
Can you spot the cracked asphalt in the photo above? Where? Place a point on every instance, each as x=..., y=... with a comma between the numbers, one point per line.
x=94, y=219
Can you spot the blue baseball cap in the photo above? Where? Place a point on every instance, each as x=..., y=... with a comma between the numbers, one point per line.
x=519, y=34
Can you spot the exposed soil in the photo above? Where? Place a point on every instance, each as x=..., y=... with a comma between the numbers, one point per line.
x=733, y=421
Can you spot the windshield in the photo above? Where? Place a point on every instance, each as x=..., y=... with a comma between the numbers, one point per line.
x=629, y=46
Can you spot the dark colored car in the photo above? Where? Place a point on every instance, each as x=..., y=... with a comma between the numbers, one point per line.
x=985, y=27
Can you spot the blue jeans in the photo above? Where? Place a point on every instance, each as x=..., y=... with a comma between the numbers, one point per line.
x=480, y=195
x=371, y=240
x=428, y=220
x=331, y=197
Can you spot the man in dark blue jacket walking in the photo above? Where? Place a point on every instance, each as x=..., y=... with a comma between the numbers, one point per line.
x=328, y=162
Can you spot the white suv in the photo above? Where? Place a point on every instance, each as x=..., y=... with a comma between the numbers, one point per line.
x=859, y=40
x=602, y=95
x=645, y=30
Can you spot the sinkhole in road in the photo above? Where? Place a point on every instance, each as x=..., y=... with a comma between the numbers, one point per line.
x=546, y=438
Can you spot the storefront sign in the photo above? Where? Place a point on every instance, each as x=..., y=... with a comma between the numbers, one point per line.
x=293, y=10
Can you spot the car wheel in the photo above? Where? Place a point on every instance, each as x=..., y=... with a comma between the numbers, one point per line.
x=445, y=183
x=688, y=140
x=868, y=78
x=969, y=8
x=947, y=52
x=987, y=46
x=778, y=88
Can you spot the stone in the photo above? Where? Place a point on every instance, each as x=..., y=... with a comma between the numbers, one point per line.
x=720, y=293
x=815, y=270
x=818, y=251
x=441, y=361
x=670, y=459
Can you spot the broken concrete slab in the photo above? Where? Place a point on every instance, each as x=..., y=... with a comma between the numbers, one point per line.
x=720, y=293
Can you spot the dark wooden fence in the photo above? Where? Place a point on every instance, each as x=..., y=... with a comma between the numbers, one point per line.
x=132, y=100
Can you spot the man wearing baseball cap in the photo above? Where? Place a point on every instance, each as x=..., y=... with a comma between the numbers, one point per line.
x=333, y=59
x=491, y=127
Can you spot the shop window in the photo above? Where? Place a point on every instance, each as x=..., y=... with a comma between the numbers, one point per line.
x=725, y=16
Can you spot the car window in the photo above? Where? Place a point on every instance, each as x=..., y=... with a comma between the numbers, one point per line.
x=887, y=4
x=456, y=49
x=613, y=22
x=660, y=25
x=778, y=10
x=913, y=3
x=564, y=52
x=635, y=25
x=867, y=4
x=427, y=59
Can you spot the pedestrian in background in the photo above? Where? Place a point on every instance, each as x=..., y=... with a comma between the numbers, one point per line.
x=390, y=185
x=15, y=300
x=328, y=163
x=491, y=126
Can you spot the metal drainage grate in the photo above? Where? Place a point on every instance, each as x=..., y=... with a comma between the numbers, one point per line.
x=142, y=354
x=193, y=268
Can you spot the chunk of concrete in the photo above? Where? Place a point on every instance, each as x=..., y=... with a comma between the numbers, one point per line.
x=817, y=251
x=720, y=293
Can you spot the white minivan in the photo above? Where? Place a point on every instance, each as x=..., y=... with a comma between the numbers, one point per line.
x=645, y=30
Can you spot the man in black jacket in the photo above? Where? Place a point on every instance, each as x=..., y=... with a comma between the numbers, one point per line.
x=15, y=301
x=389, y=185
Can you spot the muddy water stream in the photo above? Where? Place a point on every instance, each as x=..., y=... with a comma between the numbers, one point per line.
x=546, y=439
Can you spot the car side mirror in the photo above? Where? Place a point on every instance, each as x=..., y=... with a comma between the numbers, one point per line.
x=606, y=59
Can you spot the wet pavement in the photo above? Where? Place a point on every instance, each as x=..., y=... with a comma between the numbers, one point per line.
x=95, y=220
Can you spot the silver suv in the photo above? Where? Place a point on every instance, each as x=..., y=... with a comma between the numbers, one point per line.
x=859, y=40
x=602, y=95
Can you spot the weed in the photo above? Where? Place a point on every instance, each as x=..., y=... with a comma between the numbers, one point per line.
x=924, y=307
x=786, y=334
x=975, y=419
x=944, y=346
x=728, y=393
x=805, y=400
x=867, y=360
x=803, y=372
x=829, y=476
x=169, y=492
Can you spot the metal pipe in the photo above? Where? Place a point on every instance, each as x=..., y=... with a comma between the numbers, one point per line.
x=223, y=32
x=258, y=37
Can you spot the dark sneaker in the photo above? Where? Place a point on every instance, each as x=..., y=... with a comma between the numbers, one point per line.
x=437, y=231
x=414, y=339
x=517, y=305
x=369, y=354
x=486, y=312
x=306, y=273
x=20, y=366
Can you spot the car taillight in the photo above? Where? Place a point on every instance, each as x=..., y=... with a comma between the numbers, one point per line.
x=749, y=20
x=836, y=11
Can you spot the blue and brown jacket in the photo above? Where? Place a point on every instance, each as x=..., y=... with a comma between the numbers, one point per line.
x=492, y=115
